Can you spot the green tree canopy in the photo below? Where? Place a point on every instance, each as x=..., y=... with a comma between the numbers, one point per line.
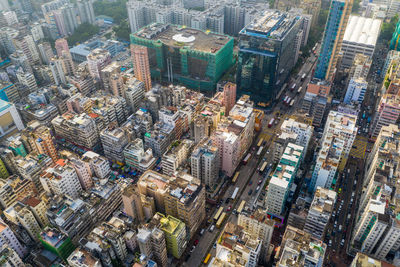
x=83, y=33
x=388, y=28
x=116, y=10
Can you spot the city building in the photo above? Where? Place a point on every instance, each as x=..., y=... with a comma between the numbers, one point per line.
x=264, y=82
x=301, y=249
x=134, y=93
x=9, y=92
x=41, y=140
x=14, y=189
x=360, y=37
x=356, y=91
x=199, y=65
x=315, y=100
x=176, y=156
x=283, y=178
x=336, y=142
x=229, y=96
x=56, y=242
x=362, y=259
x=85, y=11
x=136, y=156
x=97, y=60
x=205, y=163
x=388, y=109
x=133, y=205
x=61, y=179
x=98, y=165
x=77, y=129
x=152, y=244
x=82, y=258
x=8, y=237
x=335, y=28
x=181, y=196
x=9, y=257
x=141, y=64
x=10, y=119
x=236, y=246
x=234, y=135
x=320, y=212
x=258, y=224
x=114, y=139
x=174, y=231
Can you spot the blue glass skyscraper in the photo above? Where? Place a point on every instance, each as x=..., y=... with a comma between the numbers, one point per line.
x=267, y=52
x=336, y=24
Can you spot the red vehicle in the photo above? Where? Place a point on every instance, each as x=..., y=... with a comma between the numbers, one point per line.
x=229, y=208
x=196, y=242
x=271, y=122
x=259, y=181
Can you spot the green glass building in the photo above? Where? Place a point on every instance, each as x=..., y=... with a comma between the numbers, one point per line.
x=194, y=58
x=394, y=43
x=56, y=242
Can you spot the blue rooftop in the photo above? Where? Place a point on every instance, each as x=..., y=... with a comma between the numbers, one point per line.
x=4, y=105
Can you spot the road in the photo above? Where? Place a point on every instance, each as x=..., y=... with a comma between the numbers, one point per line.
x=248, y=172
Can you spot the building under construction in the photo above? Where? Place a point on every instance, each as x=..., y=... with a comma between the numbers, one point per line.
x=192, y=57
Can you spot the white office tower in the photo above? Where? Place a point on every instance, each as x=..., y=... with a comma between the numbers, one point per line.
x=337, y=140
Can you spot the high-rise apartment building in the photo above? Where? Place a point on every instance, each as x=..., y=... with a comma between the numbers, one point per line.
x=229, y=96
x=153, y=245
x=61, y=45
x=236, y=245
x=336, y=142
x=134, y=93
x=176, y=156
x=182, y=196
x=41, y=139
x=174, y=231
x=57, y=70
x=61, y=179
x=300, y=248
x=205, y=163
x=9, y=92
x=114, y=139
x=10, y=121
x=137, y=157
x=85, y=11
x=9, y=256
x=320, y=212
x=141, y=64
x=388, y=109
x=77, y=129
x=8, y=237
x=335, y=28
x=263, y=68
x=97, y=60
x=56, y=242
x=282, y=179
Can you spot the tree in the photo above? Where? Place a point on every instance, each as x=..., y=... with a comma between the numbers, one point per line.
x=356, y=6
x=116, y=10
x=122, y=31
x=388, y=28
x=83, y=33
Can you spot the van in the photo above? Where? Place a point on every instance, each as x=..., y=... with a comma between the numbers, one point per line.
x=211, y=228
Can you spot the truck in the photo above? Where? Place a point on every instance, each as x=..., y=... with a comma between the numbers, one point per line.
x=303, y=77
x=299, y=90
x=293, y=87
x=291, y=103
x=271, y=122
x=246, y=159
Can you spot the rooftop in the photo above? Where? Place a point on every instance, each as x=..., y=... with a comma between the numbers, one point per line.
x=182, y=37
x=53, y=237
x=273, y=24
x=362, y=30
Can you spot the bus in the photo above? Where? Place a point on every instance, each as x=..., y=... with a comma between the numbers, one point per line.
x=218, y=214
x=259, y=151
x=235, y=192
x=207, y=258
x=291, y=103
x=260, y=142
x=263, y=167
x=246, y=159
x=221, y=220
x=303, y=77
x=271, y=122
x=293, y=87
x=241, y=206
x=299, y=90
x=235, y=177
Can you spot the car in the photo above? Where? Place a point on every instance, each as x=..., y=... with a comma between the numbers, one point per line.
x=196, y=242
x=250, y=192
x=227, y=201
x=215, y=245
x=251, y=182
x=229, y=208
x=259, y=181
x=202, y=231
x=192, y=249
